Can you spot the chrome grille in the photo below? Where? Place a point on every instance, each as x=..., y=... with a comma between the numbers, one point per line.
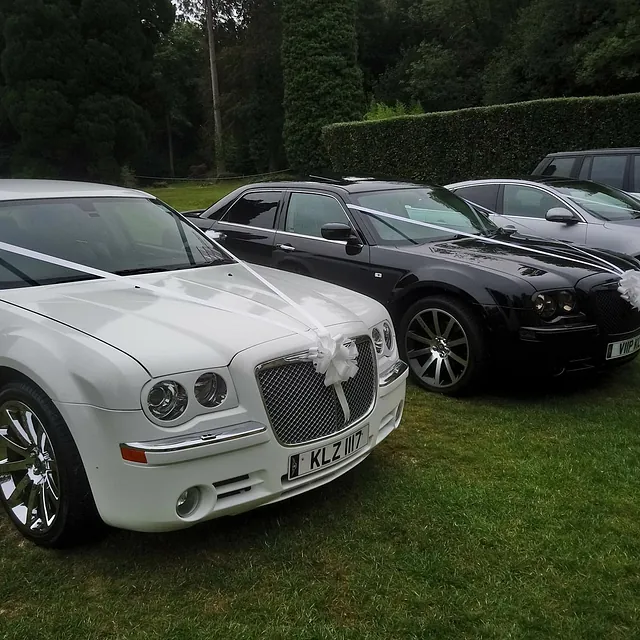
x=615, y=315
x=301, y=409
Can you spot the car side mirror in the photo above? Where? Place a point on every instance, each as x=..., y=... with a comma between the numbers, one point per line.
x=340, y=232
x=218, y=236
x=559, y=214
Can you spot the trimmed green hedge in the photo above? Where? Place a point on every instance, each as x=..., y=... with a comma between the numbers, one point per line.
x=498, y=141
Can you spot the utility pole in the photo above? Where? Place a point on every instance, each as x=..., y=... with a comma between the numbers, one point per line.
x=215, y=90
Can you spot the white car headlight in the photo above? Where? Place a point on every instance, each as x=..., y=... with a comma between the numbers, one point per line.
x=387, y=332
x=167, y=400
x=173, y=401
x=378, y=341
x=210, y=390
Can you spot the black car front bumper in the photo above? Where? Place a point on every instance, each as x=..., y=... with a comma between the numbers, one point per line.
x=571, y=348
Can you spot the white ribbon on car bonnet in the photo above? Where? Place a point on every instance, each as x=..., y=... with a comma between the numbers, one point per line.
x=628, y=286
x=335, y=357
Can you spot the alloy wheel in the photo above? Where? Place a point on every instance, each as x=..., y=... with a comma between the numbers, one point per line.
x=29, y=479
x=437, y=348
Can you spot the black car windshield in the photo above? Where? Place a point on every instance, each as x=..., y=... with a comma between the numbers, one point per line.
x=125, y=236
x=434, y=206
x=601, y=201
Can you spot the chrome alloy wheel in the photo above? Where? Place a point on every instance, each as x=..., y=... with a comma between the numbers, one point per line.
x=29, y=481
x=437, y=348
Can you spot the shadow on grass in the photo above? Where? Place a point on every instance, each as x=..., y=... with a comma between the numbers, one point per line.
x=302, y=520
x=532, y=388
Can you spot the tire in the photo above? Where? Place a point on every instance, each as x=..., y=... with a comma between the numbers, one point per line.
x=43, y=484
x=448, y=358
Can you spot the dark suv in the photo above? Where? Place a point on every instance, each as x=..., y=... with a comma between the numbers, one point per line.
x=619, y=168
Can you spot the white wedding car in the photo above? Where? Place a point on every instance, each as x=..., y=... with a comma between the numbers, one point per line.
x=151, y=412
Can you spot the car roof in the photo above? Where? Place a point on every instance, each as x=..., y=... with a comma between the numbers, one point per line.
x=622, y=150
x=547, y=180
x=348, y=184
x=36, y=189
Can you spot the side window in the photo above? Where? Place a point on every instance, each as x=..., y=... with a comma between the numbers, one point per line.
x=636, y=175
x=528, y=202
x=308, y=212
x=561, y=167
x=256, y=209
x=485, y=195
x=585, y=171
x=609, y=170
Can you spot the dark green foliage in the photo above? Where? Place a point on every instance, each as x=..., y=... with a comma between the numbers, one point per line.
x=77, y=78
x=322, y=81
x=504, y=140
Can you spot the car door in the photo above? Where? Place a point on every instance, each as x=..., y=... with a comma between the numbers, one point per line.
x=247, y=228
x=300, y=247
x=526, y=207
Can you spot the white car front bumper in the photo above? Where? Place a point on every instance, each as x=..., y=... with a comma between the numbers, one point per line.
x=238, y=466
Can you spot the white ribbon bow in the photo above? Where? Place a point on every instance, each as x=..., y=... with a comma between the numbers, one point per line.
x=629, y=288
x=336, y=358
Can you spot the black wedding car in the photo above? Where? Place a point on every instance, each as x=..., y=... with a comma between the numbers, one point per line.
x=459, y=304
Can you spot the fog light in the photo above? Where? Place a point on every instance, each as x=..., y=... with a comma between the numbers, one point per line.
x=399, y=411
x=188, y=502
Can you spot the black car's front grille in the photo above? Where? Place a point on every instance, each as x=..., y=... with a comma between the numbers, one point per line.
x=613, y=313
x=302, y=409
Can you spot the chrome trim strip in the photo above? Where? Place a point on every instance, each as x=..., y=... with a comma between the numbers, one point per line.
x=243, y=226
x=197, y=440
x=397, y=371
x=302, y=235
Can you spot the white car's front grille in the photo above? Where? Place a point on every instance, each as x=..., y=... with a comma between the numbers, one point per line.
x=302, y=409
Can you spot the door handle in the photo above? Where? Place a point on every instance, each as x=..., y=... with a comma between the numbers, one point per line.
x=286, y=247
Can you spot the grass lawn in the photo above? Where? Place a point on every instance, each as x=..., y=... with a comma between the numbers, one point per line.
x=512, y=515
x=184, y=197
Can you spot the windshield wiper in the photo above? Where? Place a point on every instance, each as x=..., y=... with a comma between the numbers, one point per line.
x=140, y=270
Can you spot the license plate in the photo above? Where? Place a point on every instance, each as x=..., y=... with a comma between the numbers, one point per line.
x=623, y=348
x=301, y=464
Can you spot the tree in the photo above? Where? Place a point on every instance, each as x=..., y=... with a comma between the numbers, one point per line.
x=179, y=65
x=76, y=78
x=322, y=81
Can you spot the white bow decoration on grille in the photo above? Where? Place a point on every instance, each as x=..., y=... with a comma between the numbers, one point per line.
x=335, y=358
x=629, y=288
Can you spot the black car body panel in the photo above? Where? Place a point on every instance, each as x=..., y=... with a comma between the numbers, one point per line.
x=499, y=281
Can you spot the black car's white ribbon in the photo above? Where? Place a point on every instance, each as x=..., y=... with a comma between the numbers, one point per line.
x=628, y=286
x=335, y=357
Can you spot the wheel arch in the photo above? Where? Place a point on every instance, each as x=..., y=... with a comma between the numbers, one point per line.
x=410, y=295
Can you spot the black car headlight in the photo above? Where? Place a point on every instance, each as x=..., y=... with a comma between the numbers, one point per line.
x=550, y=304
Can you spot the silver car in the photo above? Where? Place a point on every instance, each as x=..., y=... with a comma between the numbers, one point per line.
x=578, y=211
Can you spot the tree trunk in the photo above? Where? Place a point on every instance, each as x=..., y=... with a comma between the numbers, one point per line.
x=215, y=90
x=172, y=171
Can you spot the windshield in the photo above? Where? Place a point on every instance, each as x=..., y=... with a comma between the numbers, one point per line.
x=603, y=202
x=434, y=206
x=119, y=235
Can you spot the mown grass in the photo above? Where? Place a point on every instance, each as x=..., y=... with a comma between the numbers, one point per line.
x=184, y=197
x=511, y=515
